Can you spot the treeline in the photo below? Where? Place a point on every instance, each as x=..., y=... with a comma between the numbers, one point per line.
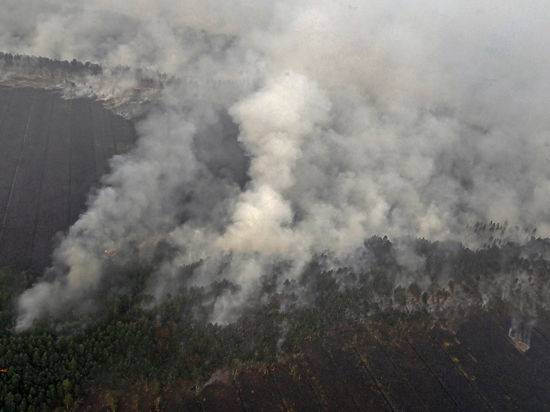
x=44, y=66
x=66, y=71
x=60, y=362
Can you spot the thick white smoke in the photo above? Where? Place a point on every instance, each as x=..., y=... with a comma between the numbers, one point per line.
x=354, y=119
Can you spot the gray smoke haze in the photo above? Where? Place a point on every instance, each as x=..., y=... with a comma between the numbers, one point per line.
x=300, y=128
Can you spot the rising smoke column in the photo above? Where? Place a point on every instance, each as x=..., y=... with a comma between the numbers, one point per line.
x=349, y=119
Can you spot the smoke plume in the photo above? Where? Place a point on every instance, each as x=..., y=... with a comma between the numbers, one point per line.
x=298, y=129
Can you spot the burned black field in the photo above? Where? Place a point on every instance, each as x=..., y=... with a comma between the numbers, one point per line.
x=54, y=151
x=380, y=367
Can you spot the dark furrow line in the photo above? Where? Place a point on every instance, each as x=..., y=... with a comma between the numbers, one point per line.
x=315, y=387
x=400, y=369
x=93, y=138
x=475, y=389
x=99, y=127
x=2, y=120
x=433, y=373
x=237, y=386
x=334, y=365
x=113, y=137
x=8, y=106
x=376, y=383
x=281, y=398
x=478, y=372
x=278, y=386
x=541, y=334
x=69, y=222
x=16, y=170
x=42, y=173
